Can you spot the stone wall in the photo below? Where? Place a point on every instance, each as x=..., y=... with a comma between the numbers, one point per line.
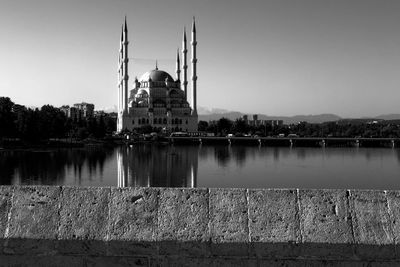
x=68, y=226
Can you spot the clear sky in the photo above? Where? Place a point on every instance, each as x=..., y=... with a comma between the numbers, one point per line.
x=275, y=57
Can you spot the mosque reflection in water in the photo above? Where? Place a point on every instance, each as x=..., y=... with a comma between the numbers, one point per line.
x=157, y=166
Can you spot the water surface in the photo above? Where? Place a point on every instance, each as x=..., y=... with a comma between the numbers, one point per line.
x=205, y=166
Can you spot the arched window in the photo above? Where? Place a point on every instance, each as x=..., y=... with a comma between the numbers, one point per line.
x=133, y=121
x=180, y=121
x=159, y=104
x=159, y=120
x=143, y=121
x=155, y=121
x=165, y=121
x=147, y=121
x=186, y=121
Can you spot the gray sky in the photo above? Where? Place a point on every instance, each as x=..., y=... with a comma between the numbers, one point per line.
x=275, y=57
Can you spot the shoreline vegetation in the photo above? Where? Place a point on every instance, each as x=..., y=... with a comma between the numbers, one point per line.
x=50, y=127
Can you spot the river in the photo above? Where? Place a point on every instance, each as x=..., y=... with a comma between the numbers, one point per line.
x=204, y=166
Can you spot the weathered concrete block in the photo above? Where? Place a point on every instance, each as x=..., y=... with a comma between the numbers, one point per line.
x=33, y=225
x=5, y=206
x=99, y=261
x=372, y=228
x=273, y=223
x=183, y=222
x=229, y=222
x=326, y=224
x=83, y=220
x=133, y=221
x=393, y=198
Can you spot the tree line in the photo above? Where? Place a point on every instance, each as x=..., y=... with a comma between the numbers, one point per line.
x=35, y=125
x=345, y=128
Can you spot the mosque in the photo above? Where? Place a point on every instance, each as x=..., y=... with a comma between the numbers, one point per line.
x=157, y=99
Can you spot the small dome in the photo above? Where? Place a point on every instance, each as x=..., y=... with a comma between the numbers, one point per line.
x=142, y=102
x=156, y=76
x=141, y=93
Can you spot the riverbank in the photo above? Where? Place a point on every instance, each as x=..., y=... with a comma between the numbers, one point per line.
x=56, y=143
x=168, y=226
x=290, y=141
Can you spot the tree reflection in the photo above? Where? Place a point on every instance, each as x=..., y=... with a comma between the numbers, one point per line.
x=240, y=154
x=49, y=167
x=222, y=155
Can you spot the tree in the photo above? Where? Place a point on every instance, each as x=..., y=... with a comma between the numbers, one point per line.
x=51, y=122
x=92, y=127
x=224, y=125
x=101, y=128
x=202, y=126
x=7, y=117
x=110, y=124
x=240, y=126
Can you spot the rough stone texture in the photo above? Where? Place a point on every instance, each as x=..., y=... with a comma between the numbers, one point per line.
x=393, y=198
x=183, y=218
x=5, y=205
x=372, y=228
x=33, y=225
x=133, y=221
x=54, y=226
x=83, y=220
x=272, y=222
x=325, y=222
x=229, y=222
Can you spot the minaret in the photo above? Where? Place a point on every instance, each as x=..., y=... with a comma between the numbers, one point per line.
x=120, y=71
x=184, y=67
x=120, y=75
x=178, y=66
x=194, y=77
x=125, y=68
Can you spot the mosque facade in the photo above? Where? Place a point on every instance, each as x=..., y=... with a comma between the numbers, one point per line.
x=156, y=98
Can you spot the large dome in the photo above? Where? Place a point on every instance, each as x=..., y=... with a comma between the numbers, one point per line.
x=156, y=76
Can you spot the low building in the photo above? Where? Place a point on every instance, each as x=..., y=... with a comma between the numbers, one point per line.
x=273, y=123
x=78, y=111
x=85, y=109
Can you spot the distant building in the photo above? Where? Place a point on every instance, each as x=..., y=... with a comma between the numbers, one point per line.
x=85, y=109
x=245, y=118
x=255, y=122
x=78, y=111
x=273, y=123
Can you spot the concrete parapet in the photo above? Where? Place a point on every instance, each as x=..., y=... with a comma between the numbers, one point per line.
x=60, y=226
